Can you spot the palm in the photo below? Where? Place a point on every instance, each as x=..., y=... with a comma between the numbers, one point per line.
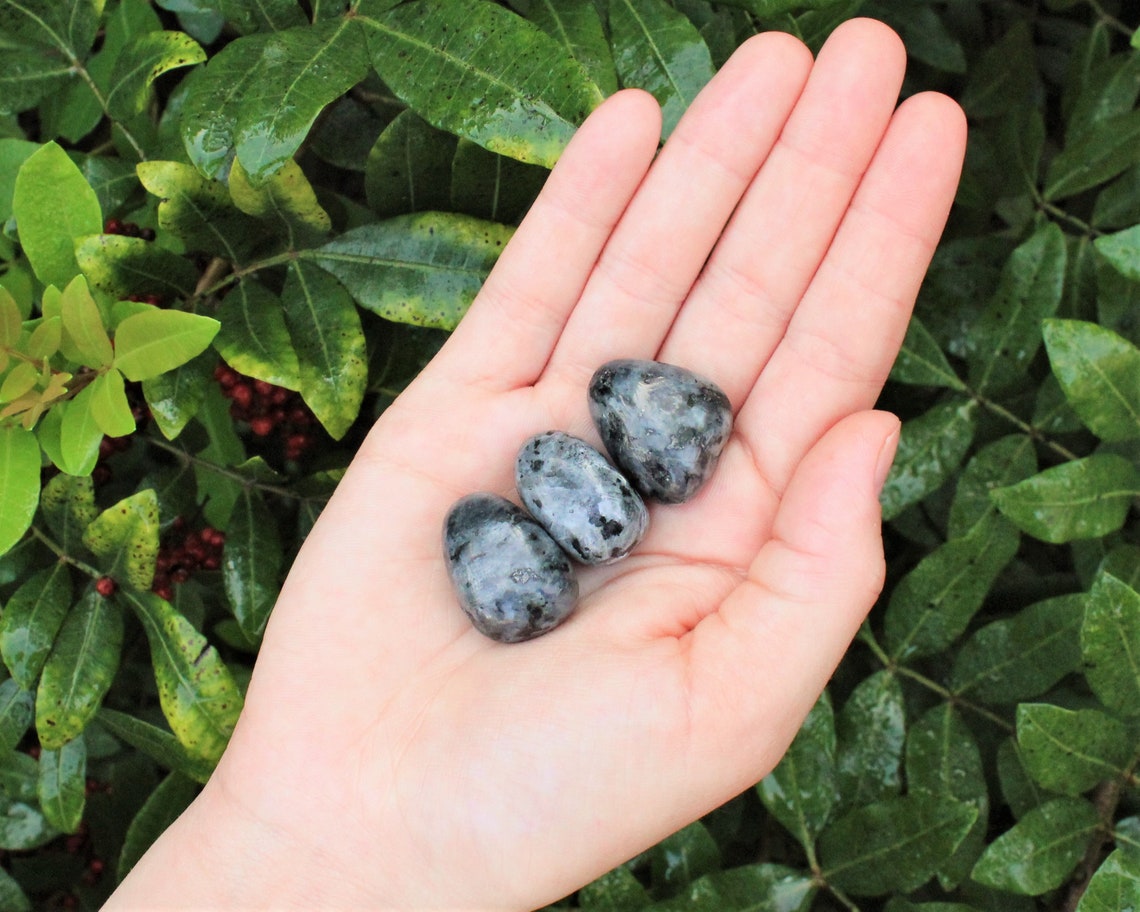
x=687, y=667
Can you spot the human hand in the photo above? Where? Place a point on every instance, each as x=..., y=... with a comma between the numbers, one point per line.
x=391, y=757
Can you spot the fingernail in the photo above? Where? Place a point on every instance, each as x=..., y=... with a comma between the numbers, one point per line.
x=886, y=458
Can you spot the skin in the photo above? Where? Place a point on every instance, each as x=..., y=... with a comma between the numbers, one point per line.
x=390, y=757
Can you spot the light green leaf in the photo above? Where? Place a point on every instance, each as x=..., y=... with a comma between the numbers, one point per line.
x=109, y=405
x=79, y=670
x=79, y=434
x=329, y=341
x=1099, y=154
x=409, y=167
x=54, y=206
x=1070, y=751
x=31, y=621
x=11, y=320
x=62, y=785
x=158, y=744
x=1084, y=498
x=254, y=339
x=251, y=564
x=894, y=845
x=421, y=269
x=121, y=266
x=1100, y=374
x=871, y=730
x=175, y=397
x=1115, y=887
x=480, y=71
x=19, y=483
x=195, y=688
x=17, y=712
x=286, y=200
x=141, y=62
x=125, y=538
x=85, y=340
x=577, y=26
x=156, y=341
x=19, y=380
x=169, y=799
x=658, y=49
x=46, y=338
x=1039, y=853
x=921, y=361
x=1110, y=644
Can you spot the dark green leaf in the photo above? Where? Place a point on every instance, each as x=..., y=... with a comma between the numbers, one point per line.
x=254, y=339
x=260, y=15
x=998, y=464
x=871, y=730
x=576, y=25
x=1099, y=154
x=28, y=75
x=158, y=744
x=1100, y=374
x=125, y=538
x=615, y=891
x=69, y=28
x=1109, y=90
x=751, y=888
x=251, y=566
x=927, y=37
x=22, y=826
x=11, y=896
x=19, y=483
x=409, y=167
x=1005, y=75
x=122, y=266
x=1021, y=657
x=141, y=62
x=658, y=49
x=172, y=796
x=921, y=362
x=286, y=201
x=175, y=397
x=156, y=341
x=493, y=186
x=79, y=670
x=30, y=622
x=1039, y=853
x=680, y=859
x=1115, y=887
x=1084, y=498
x=63, y=784
x=17, y=712
x=894, y=845
x=1110, y=644
x=1122, y=251
x=422, y=269
x=1070, y=751
x=480, y=71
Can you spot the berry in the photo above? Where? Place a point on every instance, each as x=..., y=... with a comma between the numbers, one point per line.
x=106, y=586
x=262, y=425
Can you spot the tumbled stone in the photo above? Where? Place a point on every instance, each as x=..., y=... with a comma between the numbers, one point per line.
x=663, y=425
x=512, y=579
x=586, y=505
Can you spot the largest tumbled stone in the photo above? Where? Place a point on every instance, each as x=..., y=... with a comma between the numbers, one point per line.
x=512, y=579
x=663, y=425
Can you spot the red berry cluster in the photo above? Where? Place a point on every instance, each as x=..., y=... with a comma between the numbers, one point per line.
x=182, y=553
x=269, y=410
x=127, y=229
x=156, y=300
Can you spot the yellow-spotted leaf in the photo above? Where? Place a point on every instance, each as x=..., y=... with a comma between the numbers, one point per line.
x=125, y=539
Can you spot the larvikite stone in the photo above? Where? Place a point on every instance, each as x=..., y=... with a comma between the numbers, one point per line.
x=663, y=425
x=513, y=580
x=586, y=505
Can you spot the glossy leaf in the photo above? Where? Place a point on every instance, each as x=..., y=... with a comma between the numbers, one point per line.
x=930, y=448
x=801, y=791
x=19, y=483
x=921, y=362
x=421, y=269
x=1008, y=335
x=1115, y=887
x=286, y=201
x=1100, y=374
x=261, y=15
x=615, y=891
x=158, y=744
x=1070, y=751
x=120, y=266
x=172, y=796
x=79, y=434
x=894, y=845
x=125, y=538
x=195, y=688
x=156, y=341
x=53, y=205
x=252, y=561
x=175, y=397
x=1083, y=498
x=1021, y=657
x=932, y=605
x=62, y=784
x=329, y=341
x=22, y=826
x=483, y=73
x=31, y=619
x=109, y=405
x=141, y=62
x=998, y=464
x=11, y=896
x=1039, y=853
x=254, y=339
x=871, y=729
x=79, y=670
x=28, y=75
x=70, y=28
x=1122, y=251
x=493, y=186
x=17, y=712
x=409, y=167
x=577, y=26
x=749, y=888
x=85, y=338
x=679, y=859
x=1099, y=154
x=1110, y=644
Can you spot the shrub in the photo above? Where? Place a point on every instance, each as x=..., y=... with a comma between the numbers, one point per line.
x=276, y=217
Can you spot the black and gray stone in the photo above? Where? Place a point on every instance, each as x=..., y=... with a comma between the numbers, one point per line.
x=663, y=425
x=586, y=505
x=513, y=580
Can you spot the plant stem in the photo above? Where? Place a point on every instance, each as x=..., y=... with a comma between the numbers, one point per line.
x=86, y=77
x=1109, y=20
x=62, y=554
x=1025, y=427
x=844, y=899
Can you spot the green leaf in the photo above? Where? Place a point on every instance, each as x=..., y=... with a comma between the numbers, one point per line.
x=658, y=49
x=85, y=339
x=1084, y=498
x=121, y=266
x=1114, y=887
x=801, y=791
x=871, y=731
x=109, y=405
x=1100, y=374
x=409, y=167
x=254, y=339
x=125, y=538
x=141, y=62
x=577, y=26
x=79, y=434
x=679, y=859
x=493, y=186
x=11, y=320
x=251, y=564
x=79, y=670
x=69, y=28
x=1110, y=644
x=46, y=338
x=28, y=75
x=749, y=888
x=1070, y=751
x=20, y=379
x=172, y=796
x=894, y=845
x=31, y=621
x=158, y=744
x=483, y=73
x=1099, y=154
x=17, y=712
x=19, y=483
x=1001, y=463
x=156, y=341
x=920, y=361
x=930, y=448
x=1041, y=850
x=1008, y=335
x=932, y=605
x=11, y=896
x=63, y=784
x=195, y=688
x=421, y=269
x=1021, y=657
x=54, y=206
x=615, y=891
x=175, y=397
x=22, y=826
x=329, y=341
x=286, y=200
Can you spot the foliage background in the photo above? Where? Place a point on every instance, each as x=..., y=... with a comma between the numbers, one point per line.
x=234, y=230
